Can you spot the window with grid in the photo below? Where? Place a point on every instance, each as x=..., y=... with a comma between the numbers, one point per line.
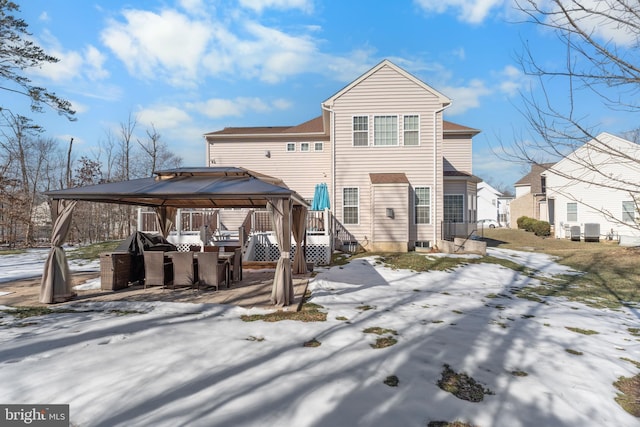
x=361, y=131
x=318, y=146
x=453, y=206
x=304, y=146
x=385, y=130
x=422, y=205
x=572, y=212
x=628, y=211
x=291, y=146
x=350, y=205
x=411, y=126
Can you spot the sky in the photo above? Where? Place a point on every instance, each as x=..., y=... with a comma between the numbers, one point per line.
x=171, y=364
x=188, y=67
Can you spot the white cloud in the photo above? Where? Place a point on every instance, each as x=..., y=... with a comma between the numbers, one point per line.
x=466, y=97
x=163, y=117
x=511, y=80
x=44, y=17
x=95, y=64
x=170, y=44
x=472, y=11
x=260, y=5
x=216, y=108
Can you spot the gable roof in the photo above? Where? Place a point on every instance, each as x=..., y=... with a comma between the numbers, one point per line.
x=533, y=177
x=386, y=63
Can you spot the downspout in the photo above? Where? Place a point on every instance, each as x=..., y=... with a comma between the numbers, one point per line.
x=435, y=168
x=332, y=136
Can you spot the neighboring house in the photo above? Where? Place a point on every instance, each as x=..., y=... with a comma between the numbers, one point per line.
x=394, y=168
x=593, y=186
x=530, y=199
x=492, y=204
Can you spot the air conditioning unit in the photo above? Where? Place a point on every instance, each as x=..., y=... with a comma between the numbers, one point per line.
x=592, y=232
x=567, y=231
x=575, y=233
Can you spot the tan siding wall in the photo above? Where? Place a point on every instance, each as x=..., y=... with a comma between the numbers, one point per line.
x=522, y=206
x=396, y=197
x=301, y=171
x=457, y=154
x=384, y=93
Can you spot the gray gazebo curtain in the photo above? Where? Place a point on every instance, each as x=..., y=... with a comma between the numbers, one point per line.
x=165, y=218
x=282, y=292
x=299, y=216
x=56, y=278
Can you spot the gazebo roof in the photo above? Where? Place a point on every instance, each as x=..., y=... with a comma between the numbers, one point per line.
x=209, y=187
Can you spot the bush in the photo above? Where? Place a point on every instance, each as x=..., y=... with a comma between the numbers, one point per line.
x=542, y=228
x=539, y=228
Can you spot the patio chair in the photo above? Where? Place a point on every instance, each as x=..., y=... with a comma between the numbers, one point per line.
x=237, y=265
x=157, y=272
x=211, y=272
x=212, y=248
x=183, y=269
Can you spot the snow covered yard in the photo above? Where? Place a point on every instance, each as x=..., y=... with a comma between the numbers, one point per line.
x=549, y=363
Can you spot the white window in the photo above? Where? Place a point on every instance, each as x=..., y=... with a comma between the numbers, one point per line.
x=453, y=206
x=411, y=127
x=360, y=131
x=572, y=212
x=350, y=205
x=628, y=211
x=318, y=146
x=291, y=146
x=385, y=130
x=422, y=205
x=304, y=146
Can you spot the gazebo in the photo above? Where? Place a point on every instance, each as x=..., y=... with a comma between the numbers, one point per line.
x=165, y=192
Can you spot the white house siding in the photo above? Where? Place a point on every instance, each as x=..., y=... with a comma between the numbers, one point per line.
x=390, y=234
x=301, y=171
x=386, y=92
x=456, y=151
x=596, y=201
x=488, y=202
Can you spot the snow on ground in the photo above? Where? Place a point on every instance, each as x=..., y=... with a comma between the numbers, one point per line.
x=168, y=364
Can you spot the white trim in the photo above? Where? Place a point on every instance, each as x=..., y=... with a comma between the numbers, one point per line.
x=307, y=144
x=405, y=115
x=289, y=144
x=414, y=206
x=353, y=131
x=373, y=141
x=351, y=206
x=315, y=146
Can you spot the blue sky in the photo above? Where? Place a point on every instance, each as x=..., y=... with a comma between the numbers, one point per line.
x=192, y=66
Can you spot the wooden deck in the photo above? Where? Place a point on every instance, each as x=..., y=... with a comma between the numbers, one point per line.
x=254, y=290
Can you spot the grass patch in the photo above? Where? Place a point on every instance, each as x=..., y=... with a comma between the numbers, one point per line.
x=636, y=363
x=611, y=272
x=462, y=386
x=392, y=381
x=379, y=331
x=518, y=373
x=629, y=396
x=448, y=424
x=341, y=318
x=12, y=251
x=93, y=251
x=366, y=307
x=384, y=342
x=311, y=343
x=582, y=331
x=309, y=312
x=634, y=331
x=29, y=311
x=574, y=352
x=256, y=339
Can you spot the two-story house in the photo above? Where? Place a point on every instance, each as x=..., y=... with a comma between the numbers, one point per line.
x=395, y=170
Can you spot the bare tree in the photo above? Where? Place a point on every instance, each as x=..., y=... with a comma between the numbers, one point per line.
x=600, y=41
x=156, y=155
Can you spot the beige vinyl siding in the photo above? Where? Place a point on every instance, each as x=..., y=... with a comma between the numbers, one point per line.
x=301, y=171
x=385, y=92
x=457, y=153
x=386, y=230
